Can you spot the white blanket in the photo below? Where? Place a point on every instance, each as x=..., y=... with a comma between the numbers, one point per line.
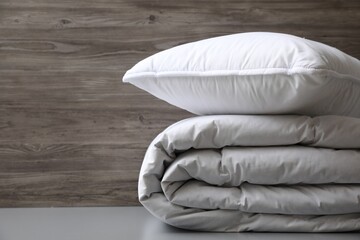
x=255, y=173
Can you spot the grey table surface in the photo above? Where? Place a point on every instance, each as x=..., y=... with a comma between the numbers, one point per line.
x=108, y=223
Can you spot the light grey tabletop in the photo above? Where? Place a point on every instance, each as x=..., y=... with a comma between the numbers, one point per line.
x=110, y=223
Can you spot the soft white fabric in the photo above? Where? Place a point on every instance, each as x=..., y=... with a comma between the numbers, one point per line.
x=253, y=73
x=255, y=173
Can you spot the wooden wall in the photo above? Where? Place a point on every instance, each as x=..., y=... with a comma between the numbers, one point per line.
x=71, y=133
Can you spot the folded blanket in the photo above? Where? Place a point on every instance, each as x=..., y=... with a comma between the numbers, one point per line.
x=255, y=173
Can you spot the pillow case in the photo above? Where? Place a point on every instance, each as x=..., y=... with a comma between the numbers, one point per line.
x=253, y=73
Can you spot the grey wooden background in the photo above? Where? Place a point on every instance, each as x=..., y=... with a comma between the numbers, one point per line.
x=71, y=133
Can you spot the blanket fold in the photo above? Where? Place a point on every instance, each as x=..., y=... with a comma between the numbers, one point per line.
x=255, y=173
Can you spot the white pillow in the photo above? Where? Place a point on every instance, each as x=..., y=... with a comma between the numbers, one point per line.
x=253, y=73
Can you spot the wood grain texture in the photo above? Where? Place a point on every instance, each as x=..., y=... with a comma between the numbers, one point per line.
x=71, y=134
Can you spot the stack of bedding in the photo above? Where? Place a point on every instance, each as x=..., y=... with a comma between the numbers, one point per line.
x=277, y=145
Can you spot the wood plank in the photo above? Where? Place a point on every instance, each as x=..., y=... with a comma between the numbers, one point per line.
x=68, y=174
x=71, y=133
